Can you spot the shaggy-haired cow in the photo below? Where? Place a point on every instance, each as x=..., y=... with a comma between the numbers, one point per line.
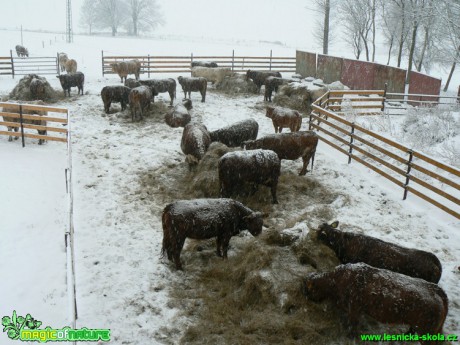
x=63, y=58
x=254, y=167
x=37, y=89
x=116, y=93
x=213, y=75
x=259, y=77
x=179, y=116
x=72, y=80
x=237, y=133
x=288, y=146
x=206, y=218
x=123, y=68
x=194, y=143
x=162, y=85
x=139, y=101
x=386, y=296
x=71, y=66
x=132, y=83
x=284, y=118
x=193, y=84
x=21, y=51
x=352, y=248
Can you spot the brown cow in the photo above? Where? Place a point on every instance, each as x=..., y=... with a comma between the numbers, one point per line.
x=254, y=167
x=71, y=66
x=139, y=101
x=63, y=58
x=195, y=142
x=123, y=68
x=235, y=134
x=179, y=116
x=206, y=218
x=384, y=295
x=117, y=93
x=288, y=146
x=284, y=118
x=352, y=248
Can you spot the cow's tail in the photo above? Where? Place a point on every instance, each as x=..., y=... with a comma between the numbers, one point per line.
x=313, y=159
x=166, y=222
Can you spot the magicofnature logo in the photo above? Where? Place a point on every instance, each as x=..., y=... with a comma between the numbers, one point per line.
x=27, y=329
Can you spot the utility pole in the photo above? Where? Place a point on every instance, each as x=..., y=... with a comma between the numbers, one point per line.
x=69, y=31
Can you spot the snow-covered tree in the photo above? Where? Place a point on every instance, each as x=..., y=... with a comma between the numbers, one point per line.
x=88, y=15
x=111, y=14
x=144, y=15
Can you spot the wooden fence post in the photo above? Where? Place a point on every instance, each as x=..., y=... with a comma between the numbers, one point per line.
x=309, y=121
x=102, y=54
x=270, y=68
x=233, y=61
x=409, y=167
x=191, y=61
x=148, y=64
x=57, y=64
x=350, y=151
x=384, y=96
x=21, y=120
x=12, y=63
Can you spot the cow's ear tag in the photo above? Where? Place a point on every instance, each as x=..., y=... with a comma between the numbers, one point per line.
x=335, y=225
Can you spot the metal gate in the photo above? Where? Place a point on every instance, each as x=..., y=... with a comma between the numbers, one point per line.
x=38, y=65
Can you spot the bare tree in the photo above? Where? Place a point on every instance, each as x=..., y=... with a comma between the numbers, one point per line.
x=111, y=13
x=144, y=15
x=88, y=15
x=323, y=28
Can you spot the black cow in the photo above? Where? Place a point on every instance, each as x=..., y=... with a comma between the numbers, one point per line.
x=193, y=84
x=259, y=77
x=235, y=134
x=203, y=219
x=273, y=84
x=116, y=93
x=254, y=167
x=72, y=80
x=208, y=64
x=288, y=146
x=162, y=85
x=384, y=295
x=352, y=248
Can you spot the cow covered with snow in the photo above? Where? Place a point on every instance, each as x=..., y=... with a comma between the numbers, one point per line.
x=193, y=84
x=117, y=93
x=203, y=219
x=289, y=146
x=22, y=51
x=284, y=118
x=237, y=133
x=123, y=68
x=179, y=115
x=259, y=77
x=71, y=66
x=213, y=75
x=62, y=58
x=162, y=85
x=139, y=101
x=209, y=64
x=72, y=80
x=254, y=167
x=195, y=142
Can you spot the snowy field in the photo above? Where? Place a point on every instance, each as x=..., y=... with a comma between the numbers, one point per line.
x=121, y=281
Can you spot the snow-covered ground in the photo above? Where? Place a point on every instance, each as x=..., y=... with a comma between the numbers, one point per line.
x=121, y=281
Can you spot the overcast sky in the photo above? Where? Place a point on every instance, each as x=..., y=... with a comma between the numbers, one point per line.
x=286, y=21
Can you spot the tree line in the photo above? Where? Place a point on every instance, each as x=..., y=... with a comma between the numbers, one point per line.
x=134, y=16
x=424, y=32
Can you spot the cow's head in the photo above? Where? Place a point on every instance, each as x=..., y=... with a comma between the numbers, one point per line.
x=325, y=229
x=254, y=222
x=114, y=66
x=269, y=113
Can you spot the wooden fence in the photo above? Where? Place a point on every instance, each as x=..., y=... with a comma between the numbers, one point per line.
x=28, y=118
x=11, y=65
x=6, y=65
x=151, y=64
x=414, y=172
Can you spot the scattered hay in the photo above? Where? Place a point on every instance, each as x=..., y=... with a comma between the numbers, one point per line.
x=22, y=90
x=236, y=84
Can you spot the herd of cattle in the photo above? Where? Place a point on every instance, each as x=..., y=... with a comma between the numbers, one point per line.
x=391, y=283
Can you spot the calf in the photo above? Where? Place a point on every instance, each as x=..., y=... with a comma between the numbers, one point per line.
x=259, y=77
x=288, y=146
x=123, y=68
x=116, y=93
x=179, y=116
x=352, y=248
x=208, y=64
x=384, y=295
x=195, y=142
x=254, y=167
x=139, y=101
x=21, y=51
x=193, y=84
x=162, y=85
x=72, y=80
x=206, y=218
x=284, y=118
x=272, y=84
x=235, y=134
x=132, y=83
x=214, y=75
x=37, y=89
x=71, y=66
x=63, y=58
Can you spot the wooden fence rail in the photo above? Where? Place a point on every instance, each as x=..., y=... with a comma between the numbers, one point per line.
x=182, y=64
x=34, y=117
x=414, y=172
